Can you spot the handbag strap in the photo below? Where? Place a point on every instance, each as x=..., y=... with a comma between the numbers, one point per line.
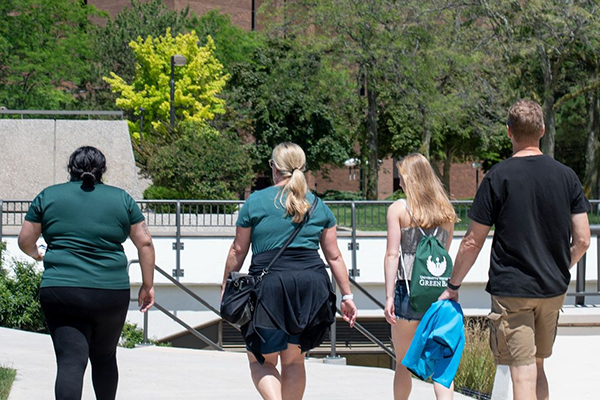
x=291, y=238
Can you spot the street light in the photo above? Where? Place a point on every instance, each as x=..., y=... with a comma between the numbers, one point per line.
x=176, y=61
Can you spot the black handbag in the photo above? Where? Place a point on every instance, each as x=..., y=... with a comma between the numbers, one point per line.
x=238, y=301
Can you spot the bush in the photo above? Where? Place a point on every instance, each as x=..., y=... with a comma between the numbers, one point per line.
x=132, y=336
x=397, y=195
x=19, y=296
x=477, y=369
x=337, y=195
x=7, y=376
x=201, y=165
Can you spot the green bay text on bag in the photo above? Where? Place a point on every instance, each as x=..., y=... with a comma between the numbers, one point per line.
x=430, y=274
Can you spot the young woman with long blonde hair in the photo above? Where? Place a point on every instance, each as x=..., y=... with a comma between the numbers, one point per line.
x=426, y=208
x=295, y=304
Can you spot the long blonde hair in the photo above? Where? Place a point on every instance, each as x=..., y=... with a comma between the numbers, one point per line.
x=290, y=161
x=425, y=194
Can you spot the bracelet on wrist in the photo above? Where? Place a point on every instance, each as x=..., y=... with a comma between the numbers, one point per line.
x=348, y=297
x=453, y=287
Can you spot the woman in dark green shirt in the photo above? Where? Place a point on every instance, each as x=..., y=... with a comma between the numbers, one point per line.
x=294, y=304
x=85, y=286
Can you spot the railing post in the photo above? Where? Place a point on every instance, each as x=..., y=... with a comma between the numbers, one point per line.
x=580, y=282
x=146, y=328
x=354, y=272
x=178, y=272
x=597, y=262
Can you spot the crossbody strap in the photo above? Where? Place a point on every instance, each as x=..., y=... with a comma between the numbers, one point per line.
x=291, y=238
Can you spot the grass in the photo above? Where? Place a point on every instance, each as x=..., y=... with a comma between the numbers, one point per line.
x=7, y=376
x=477, y=369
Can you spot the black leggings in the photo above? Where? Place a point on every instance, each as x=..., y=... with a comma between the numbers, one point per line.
x=85, y=323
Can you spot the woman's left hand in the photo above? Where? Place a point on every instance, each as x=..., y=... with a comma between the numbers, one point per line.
x=349, y=312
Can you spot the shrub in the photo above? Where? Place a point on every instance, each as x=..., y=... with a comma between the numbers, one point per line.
x=477, y=369
x=19, y=296
x=337, y=195
x=201, y=164
x=7, y=376
x=132, y=336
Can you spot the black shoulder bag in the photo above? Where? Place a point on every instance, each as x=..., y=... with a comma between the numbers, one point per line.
x=237, y=306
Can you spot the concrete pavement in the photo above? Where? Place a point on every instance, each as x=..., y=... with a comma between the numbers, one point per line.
x=159, y=373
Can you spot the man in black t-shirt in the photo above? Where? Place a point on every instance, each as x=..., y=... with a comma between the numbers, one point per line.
x=539, y=212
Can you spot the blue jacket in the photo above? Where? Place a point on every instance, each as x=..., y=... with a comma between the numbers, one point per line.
x=438, y=344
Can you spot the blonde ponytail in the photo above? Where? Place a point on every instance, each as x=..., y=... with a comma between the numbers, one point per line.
x=290, y=161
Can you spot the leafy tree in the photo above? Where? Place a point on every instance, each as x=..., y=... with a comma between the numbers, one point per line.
x=234, y=45
x=111, y=43
x=200, y=164
x=287, y=91
x=197, y=83
x=537, y=39
x=45, y=52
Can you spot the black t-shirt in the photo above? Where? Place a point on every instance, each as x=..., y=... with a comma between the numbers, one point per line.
x=530, y=201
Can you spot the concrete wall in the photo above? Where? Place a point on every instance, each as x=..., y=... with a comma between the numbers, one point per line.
x=34, y=154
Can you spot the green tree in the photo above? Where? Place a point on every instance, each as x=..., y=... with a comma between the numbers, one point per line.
x=200, y=164
x=111, y=43
x=537, y=39
x=197, y=83
x=233, y=45
x=45, y=52
x=287, y=91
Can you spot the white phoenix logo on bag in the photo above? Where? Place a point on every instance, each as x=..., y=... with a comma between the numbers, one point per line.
x=436, y=268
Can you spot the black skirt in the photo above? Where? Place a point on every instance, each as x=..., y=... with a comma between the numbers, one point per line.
x=294, y=298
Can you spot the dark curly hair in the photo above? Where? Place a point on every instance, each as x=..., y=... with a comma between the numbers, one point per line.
x=87, y=164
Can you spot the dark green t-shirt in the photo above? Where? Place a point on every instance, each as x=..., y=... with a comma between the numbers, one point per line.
x=265, y=214
x=85, y=229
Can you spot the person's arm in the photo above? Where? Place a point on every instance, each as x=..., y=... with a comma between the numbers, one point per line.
x=237, y=253
x=392, y=258
x=30, y=233
x=334, y=259
x=469, y=249
x=580, y=234
x=140, y=236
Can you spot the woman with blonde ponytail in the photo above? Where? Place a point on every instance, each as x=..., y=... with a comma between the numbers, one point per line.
x=294, y=302
x=426, y=210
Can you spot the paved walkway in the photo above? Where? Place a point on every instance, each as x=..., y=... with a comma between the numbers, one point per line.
x=160, y=373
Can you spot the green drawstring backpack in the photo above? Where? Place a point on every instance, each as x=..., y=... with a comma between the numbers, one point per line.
x=431, y=271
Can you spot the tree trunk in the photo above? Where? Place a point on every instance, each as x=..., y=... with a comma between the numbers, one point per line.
x=550, y=122
x=372, y=140
x=446, y=176
x=591, y=161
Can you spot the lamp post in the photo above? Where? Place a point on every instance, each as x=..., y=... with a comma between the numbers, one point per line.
x=176, y=61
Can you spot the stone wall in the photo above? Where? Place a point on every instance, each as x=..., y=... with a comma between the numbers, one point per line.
x=34, y=154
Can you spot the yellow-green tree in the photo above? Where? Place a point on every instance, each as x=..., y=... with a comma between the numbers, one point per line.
x=197, y=83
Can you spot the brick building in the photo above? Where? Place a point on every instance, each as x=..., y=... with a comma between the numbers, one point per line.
x=243, y=13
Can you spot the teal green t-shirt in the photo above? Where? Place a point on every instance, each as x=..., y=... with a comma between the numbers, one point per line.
x=85, y=229
x=265, y=214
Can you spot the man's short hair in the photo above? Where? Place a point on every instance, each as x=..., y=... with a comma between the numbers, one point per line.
x=526, y=120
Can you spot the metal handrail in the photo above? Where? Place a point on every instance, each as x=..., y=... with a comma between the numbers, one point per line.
x=366, y=293
x=371, y=337
x=190, y=329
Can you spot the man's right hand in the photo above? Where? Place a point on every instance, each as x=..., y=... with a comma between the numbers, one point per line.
x=449, y=294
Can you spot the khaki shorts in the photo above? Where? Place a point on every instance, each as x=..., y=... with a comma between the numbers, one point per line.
x=523, y=328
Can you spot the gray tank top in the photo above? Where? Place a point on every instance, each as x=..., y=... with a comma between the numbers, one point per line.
x=409, y=240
